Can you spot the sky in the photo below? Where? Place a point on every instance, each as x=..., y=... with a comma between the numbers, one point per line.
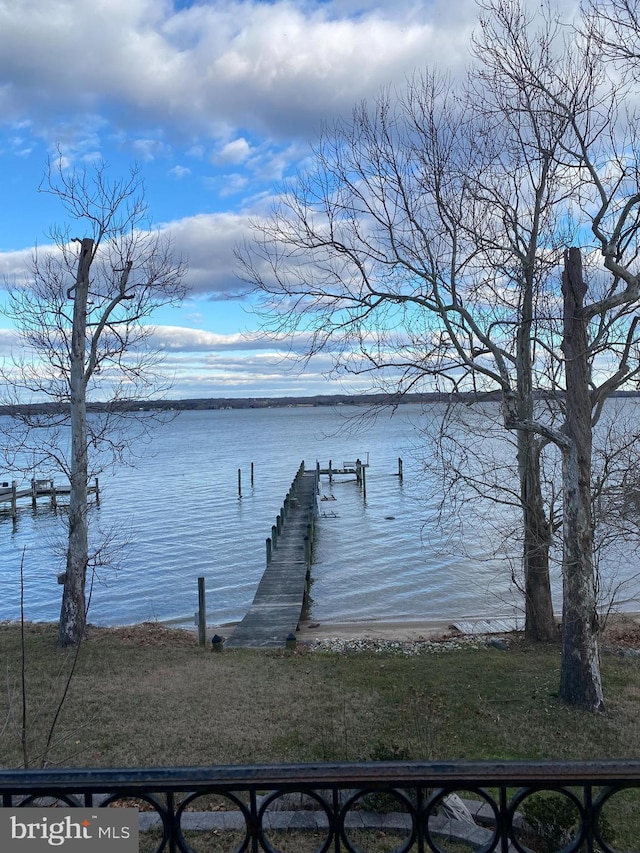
x=217, y=103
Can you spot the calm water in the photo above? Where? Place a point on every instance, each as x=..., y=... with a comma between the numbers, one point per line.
x=176, y=516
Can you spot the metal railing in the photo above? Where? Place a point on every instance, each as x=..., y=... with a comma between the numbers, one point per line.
x=410, y=801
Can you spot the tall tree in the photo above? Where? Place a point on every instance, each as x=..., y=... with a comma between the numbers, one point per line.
x=429, y=241
x=445, y=229
x=80, y=313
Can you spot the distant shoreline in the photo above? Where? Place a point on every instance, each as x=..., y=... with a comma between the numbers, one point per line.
x=317, y=400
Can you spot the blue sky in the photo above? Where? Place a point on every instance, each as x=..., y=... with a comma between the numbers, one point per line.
x=217, y=103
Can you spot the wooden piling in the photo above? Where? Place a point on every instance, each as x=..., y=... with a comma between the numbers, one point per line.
x=202, y=614
x=364, y=482
x=268, y=543
x=239, y=483
x=252, y=473
x=400, y=468
x=14, y=500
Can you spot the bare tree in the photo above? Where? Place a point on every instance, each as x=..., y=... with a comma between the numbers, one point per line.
x=598, y=155
x=430, y=240
x=80, y=313
x=614, y=25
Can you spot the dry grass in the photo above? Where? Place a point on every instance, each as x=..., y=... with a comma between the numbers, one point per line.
x=150, y=696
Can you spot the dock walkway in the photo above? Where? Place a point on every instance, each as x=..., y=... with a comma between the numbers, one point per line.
x=11, y=494
x=281, y=593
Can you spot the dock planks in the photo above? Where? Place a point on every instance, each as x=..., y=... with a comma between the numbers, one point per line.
x=11, y=494
x=279, y=599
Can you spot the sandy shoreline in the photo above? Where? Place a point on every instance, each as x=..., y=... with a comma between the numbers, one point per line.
x=408, y=630
x=405, y=631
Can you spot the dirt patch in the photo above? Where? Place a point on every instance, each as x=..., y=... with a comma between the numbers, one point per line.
x=621, y=632
x=147, y=634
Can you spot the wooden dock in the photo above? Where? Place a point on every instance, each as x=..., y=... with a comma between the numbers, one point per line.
x=357, y=468
x=37, y=489
x=279, y=600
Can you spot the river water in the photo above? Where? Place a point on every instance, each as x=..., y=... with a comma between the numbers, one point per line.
x=177, y=516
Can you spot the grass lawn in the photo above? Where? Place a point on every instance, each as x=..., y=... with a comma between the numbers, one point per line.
x=150, y=696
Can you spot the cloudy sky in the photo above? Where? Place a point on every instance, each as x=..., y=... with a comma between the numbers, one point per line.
x=217, y=103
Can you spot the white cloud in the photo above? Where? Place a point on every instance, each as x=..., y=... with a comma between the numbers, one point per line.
x=231, y=374
x=8, y=341
x=205, y=241
x=148, y=149
x=234, y=152
x=181, y=339
x=14, y=265
x=227, y=185
x=180, y=172
x=276, y=67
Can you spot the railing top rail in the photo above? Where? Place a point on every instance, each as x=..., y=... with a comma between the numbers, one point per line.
x=479, y=773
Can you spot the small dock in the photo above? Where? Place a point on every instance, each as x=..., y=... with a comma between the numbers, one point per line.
x=37, y=489
x=280, y=598
x=357, y=468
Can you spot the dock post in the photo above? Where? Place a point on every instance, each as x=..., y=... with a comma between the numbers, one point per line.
x=308, y=545
x=14, y=500
x=268, y=541
x=364, y=482
x=97, y=492
x=202, y=614
x=279, y=524
x=400, y=468
x=54, y=496
x=34, y=494
x=274, y=536
x=330, y=471
x=252, y=473
x=239, y=483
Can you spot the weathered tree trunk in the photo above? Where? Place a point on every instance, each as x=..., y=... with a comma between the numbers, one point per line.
x=539, y=620
x=580, y=682
x=73, y=617
x=540, y=624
